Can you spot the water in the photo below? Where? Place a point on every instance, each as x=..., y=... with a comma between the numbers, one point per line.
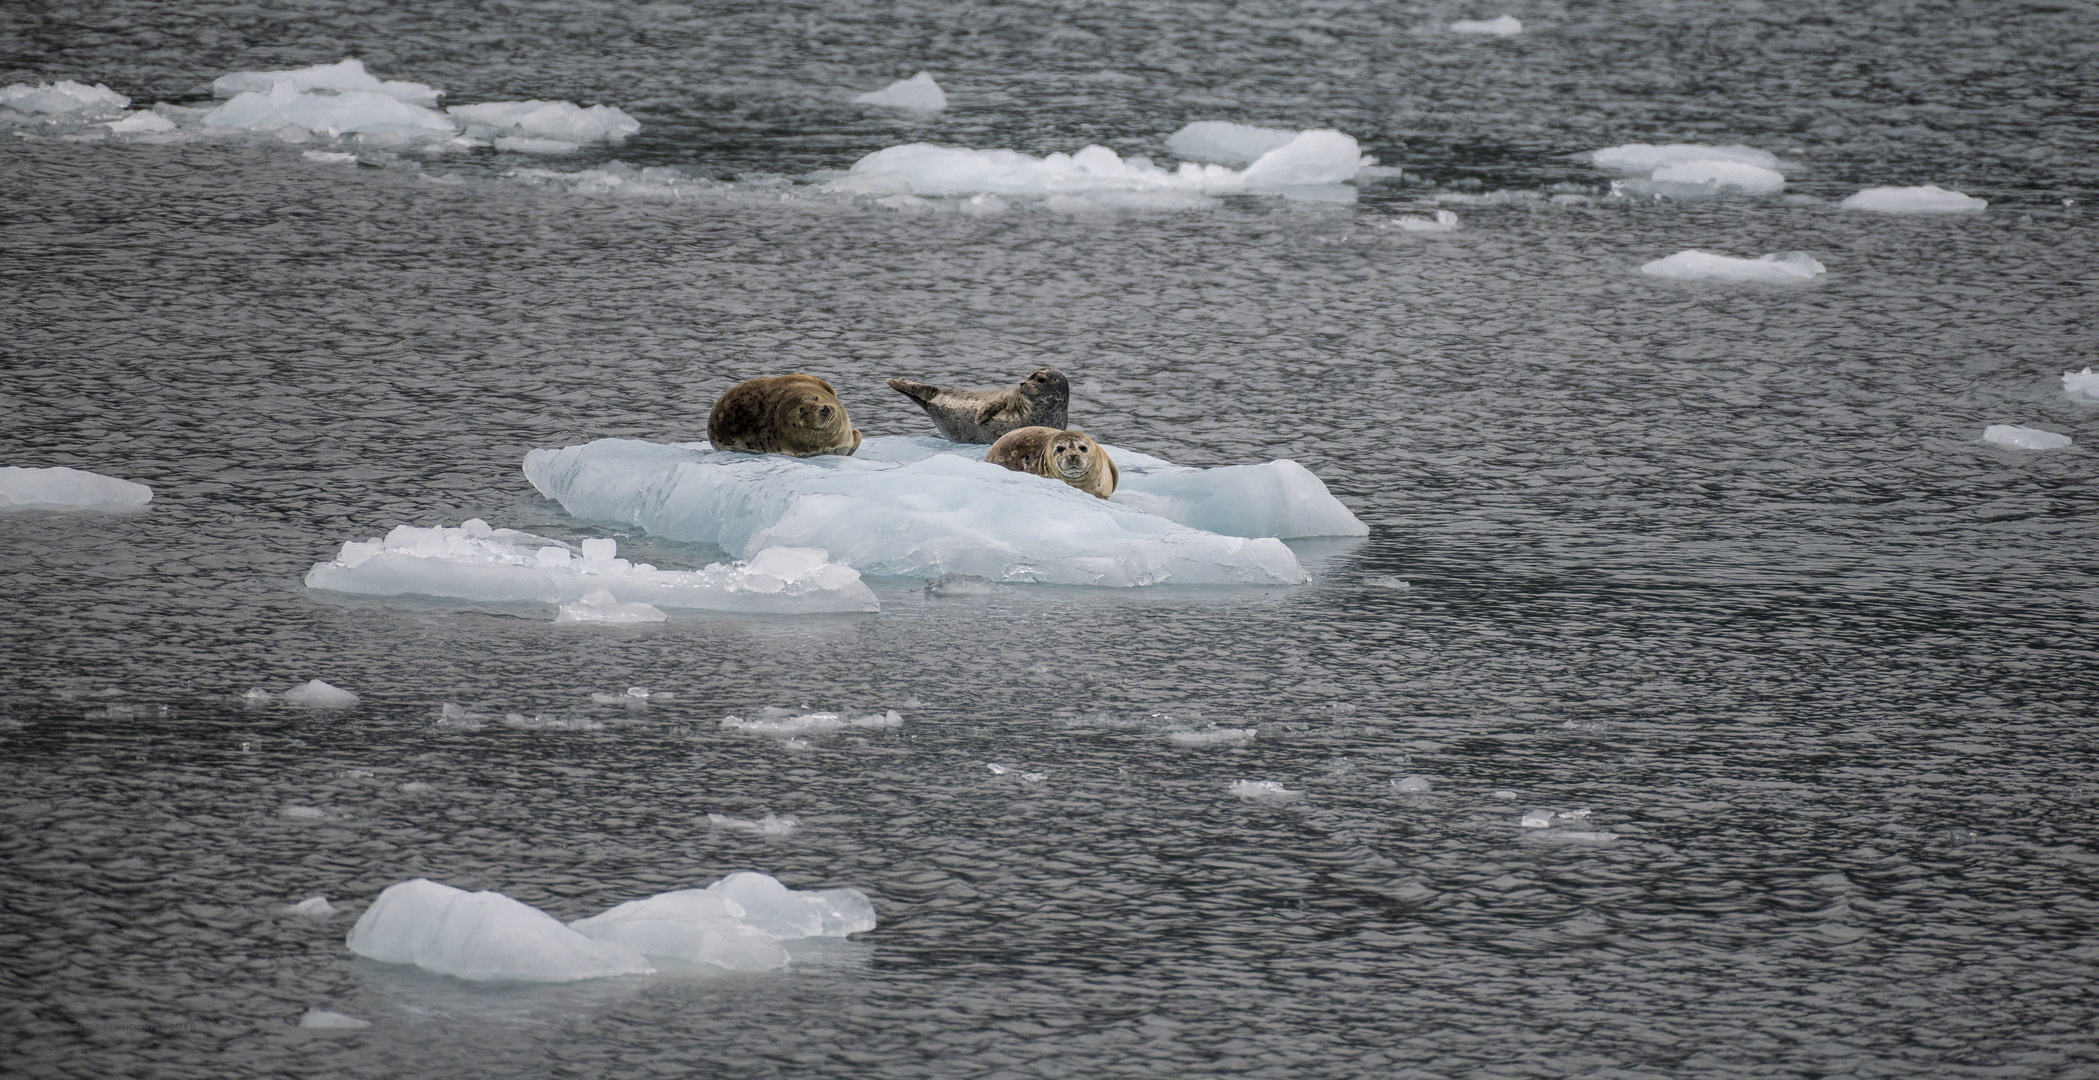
x=1727, y=566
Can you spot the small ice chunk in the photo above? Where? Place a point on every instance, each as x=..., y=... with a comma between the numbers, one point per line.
x=312, y=907
x=1693, y=265
x=331, y=1021
x=1312, y=157
x=142, y=122
x=918, y=93
x=560, y=122
x=769, y=825
x=2024, y=438
x=482, y=936
x=1444, y=221
x=2082, y=385
x=304, y=813
x=789, y=914
x=340, y=77
x=1717, y=175
x=1226, y=143
x=68, y=489
x=1213, y=736
x=538, y=722
x=600, y=606
x=1411, y=783
x=1926, y=199
x=63, y=98
x=319, y=695
x=778, y=721
x=1538, y=819
x=699, y=926
x=1647, y=157
x=1263, y=791
x=1503, y=26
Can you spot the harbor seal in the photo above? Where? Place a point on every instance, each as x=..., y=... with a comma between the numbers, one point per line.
x=797, y=415
x=981, y=416
x=1070, y=456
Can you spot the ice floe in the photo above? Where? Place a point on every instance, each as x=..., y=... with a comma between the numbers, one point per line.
x=332, y=114
x=2082, y=385
x=1309, y=158
x=1501, y=26
x=1412, y=784
x=1925, y=199
x=928, y=508
x=63, y=98
x=343, y=76
x=600, y=606
x=1695, y=265
x=560, y=122
x=1263, y=791
x=1444, y=221
x=313, y=907
x=1211, y=736
x=769, y=825
x=736, y=923
x=1691, y=170
x=477, y=563
x=1227, y=143
x=68, y=489
x=918, y=93
x=2024, y=438
x=332, y=1021
x=319, y=695
x=773, y=720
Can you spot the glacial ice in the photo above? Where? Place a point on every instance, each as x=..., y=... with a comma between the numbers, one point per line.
x=1925, y=199
x=918, y=93
x=928, y=508
x=791, y=914
x=773, y=720
x=560, y=122
x=1754, y=179
x=1211, y=736
x=1647, y=157
x=63, y=98
x=351, y=111
x=313, y=907
x=2024, y=438
x=600, y=606
x=1694, y=265
x=1444, y=221
x=701, y=926
x=327, y=1020
x=1502, y=26
x=1308, y=158
x=769, y=825
x=476, y=563
x=68, y=489
x=1264, y=791
x=2082, y=385
x=344, y=76
x=1226, y=143
x=319, y=695
x=1691, y=170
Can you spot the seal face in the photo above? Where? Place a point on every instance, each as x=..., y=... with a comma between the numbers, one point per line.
x=1070, y=456
x=981, y=416
x=797, y=415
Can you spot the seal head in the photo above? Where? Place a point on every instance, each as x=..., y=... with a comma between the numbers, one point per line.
x=1070, y=456
x=981, y=416
x=797, y=415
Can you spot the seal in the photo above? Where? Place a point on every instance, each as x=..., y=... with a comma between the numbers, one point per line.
x=981, y=416
x=797, y=415
x=1070, y=456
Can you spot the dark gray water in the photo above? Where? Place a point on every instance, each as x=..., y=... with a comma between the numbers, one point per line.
x=1727, y=566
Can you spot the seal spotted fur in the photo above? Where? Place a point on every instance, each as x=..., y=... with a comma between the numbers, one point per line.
x=797, y=415
x=981, y=416
x=1070, y=456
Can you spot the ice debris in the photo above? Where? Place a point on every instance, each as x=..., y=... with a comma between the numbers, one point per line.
x=477, y=563
x=1266, y=791
x=1211, y=736
x=344, y=76
x=319, y=695
x=1411, y=784
x=1444, y=221
x=769, y=825
x=63, y=98
x=68, y=489
x=2082, y=385
x=332, y=1021
x=1694, y=265
x=561, y=122
x=1926, y=199
x=2024, y=438
x=1691, y=170
x=315, y=907
x=1310, y=157
x=777, y=721
x=600, y=606
x=1226, y=143
x=1502, y=26
x=918, y=93
x=927, y=508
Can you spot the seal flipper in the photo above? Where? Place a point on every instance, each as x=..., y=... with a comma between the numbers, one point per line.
x=917, y=391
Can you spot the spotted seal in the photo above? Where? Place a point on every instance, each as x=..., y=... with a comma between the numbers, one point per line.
x=981, y=416
x=1070, y=456
x=797, y=415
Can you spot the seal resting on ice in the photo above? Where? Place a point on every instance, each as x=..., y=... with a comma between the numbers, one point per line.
x=797, y=415
x=981, y=416
x=1070, y=456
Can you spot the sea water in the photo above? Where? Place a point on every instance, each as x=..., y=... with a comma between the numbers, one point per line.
x=1709, y=696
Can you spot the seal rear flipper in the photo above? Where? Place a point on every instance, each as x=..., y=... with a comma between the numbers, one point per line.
x=917, y=391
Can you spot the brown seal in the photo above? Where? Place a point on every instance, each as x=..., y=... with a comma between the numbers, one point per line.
x=1070, y=456
x=981, y=416
x=797, y=415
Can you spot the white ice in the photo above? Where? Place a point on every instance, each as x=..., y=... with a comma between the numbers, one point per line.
x=319, y=695
x=1227, y=143
x=918, y=93
x=2024, y=438
x=929, y=508
x=476, y=563
x=351, y=111
x=315, y=907
x=1926, y=199
x=769, y=825
x=1501, y=27
x=791, y=914
x=773, y=720
x=142, y=122
x=1717, y=175
x=1647, y=157
x=327, y=1020
x=1694, y=265
x=68, y=489
x=63, y=98
x=1214, y=736
x=1691, y=170
x=700, y=926
x=1268, y=791
x=1309, y=158
x=2082, y=385
x=1444, y=221
x=559, y=122
x=482, y=936
x=1412, y=784
x=345, y=76
x=600, y=606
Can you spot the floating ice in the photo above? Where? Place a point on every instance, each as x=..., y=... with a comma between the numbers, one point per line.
x=700, y=926
x=927, y=508
x=1310, y=157
x=1550, y=825
x=319, y=695
x=68, y=489
x=1214, y=736
x=142, y=122
x=770, y=825
x=1444, y=221
x=1501, y=27
x=919, y=93
x=790, y=914
x=1412, y=784
x=600, y=606
x=538, y=722
x=475, y=562
x=1647, y=157
x=1263, y=791
x=2024, y=438
x=777, y=721
x=1753, y=179
x=332, y=1021
x=1691, y=170
x=1227, y=143
x=1694, y=265
x=557, y=121
x=482, y=936
x=63, y=98
x=328, y=113
x=341, y=77
x=315, y=907
x=2082, y=385
x=1927, y=199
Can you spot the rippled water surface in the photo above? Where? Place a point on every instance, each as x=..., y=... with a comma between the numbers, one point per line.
x=1726, y=566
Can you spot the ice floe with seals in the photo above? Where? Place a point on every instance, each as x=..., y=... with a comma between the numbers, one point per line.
x=61, y=488
x=477, y=563
x=1691, y=264
x=928, y=508
x=1690, y=170
x=737, y=923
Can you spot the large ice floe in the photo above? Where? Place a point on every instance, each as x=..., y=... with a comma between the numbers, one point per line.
x=1693, y=265
x=1925, y=199
x=926, y=507
x=736, y=924
x=1690, y=170
x=477, y=563
x=68, y=489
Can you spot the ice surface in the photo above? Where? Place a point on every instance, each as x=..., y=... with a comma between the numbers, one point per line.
x=1227, y=143
x=142, y=122
x=1927, y=199
x=319, y=695
x=1309, y=157
x=2082, y=385
x=919, y=93
x=1263, y=791
x=63, y=98
x=482, y=936
x=700, y=926
x=1694, y=265
x=475, y=562
x=600, y=606
x=1647, y=157
x=928, y=508
x=341, y=77
x=1503, y=26
x=1754, y=179
x=68, y=489
x=328, y=113
x=313, y=907
x=1444, y=221
x=773, y=720
x=2024, y=438
x=335, y=1021
x=1412, y=784
x=789, y=914
x=555, y=121
x=1214, y=736
x=770, y=825
x=1691, y=170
